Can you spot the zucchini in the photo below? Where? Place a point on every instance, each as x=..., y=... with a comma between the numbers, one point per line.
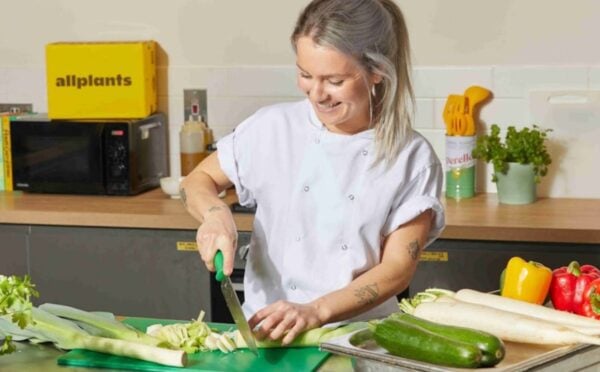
x=492, y=348
x=413, y=342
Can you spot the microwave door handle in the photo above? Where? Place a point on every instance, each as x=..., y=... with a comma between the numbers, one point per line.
x=145, y=129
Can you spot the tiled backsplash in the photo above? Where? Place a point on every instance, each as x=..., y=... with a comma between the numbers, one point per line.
x=236, y=92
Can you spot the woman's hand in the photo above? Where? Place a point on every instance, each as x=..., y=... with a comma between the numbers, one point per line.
x=199, y=193
x=286, y=320
x=217, y=232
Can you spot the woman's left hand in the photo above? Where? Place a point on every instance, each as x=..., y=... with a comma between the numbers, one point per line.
x=284, y=319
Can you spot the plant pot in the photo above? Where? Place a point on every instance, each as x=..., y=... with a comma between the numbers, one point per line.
x=518, y=185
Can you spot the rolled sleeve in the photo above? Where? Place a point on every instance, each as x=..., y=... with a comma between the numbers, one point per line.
x=234, y=169
x=421, y=194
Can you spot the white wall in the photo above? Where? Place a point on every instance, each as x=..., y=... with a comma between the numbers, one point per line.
x=241, y=32
x=240, y=51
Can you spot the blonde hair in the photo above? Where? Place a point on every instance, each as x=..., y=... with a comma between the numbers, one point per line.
x=374, y=33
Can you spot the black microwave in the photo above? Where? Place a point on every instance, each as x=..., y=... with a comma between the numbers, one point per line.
x=123, y=157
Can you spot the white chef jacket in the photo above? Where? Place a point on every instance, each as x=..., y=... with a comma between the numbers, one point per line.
x=322, y=210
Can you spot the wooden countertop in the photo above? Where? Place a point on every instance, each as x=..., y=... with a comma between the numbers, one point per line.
x=546, y=220
x=152, y=209
x=478, y=218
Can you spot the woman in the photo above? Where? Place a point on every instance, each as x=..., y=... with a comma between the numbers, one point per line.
x=347, y=194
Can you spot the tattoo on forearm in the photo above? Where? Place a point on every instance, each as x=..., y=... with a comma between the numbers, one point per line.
x=183, y=196
x=414, y=249
x=215, y=208
x=367, y=294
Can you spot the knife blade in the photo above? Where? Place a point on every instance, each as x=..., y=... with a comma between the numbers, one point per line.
x=233, y=304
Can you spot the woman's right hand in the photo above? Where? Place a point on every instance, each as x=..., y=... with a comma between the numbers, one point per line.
x=217, y=233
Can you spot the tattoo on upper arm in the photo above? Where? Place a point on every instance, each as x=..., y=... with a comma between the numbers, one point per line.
x=414, y=249
x=367, y=294
x=183, y=196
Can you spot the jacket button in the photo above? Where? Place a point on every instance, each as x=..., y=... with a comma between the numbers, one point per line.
x=351, y=197
x=306, y=188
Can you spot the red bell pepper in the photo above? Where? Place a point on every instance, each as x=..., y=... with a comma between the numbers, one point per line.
x=568, y=286
x=591, y=300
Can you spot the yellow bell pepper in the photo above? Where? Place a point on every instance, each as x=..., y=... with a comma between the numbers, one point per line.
x=526, y=281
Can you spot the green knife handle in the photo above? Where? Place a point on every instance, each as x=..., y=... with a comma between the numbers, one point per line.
x=220, y=275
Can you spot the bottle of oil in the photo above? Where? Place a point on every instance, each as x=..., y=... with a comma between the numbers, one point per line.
x=209, y=139
x=192, y=143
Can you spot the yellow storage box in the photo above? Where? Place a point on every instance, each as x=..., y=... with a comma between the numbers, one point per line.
x=101, y=80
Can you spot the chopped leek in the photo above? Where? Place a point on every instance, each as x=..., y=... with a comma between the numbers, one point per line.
x=197, y=336
x=192, y=337
x=189, y=337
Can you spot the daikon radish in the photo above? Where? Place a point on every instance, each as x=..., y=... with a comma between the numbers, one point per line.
x=579, y=323
x=506, y=325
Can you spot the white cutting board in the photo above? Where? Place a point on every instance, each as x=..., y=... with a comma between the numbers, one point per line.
x=574, y=143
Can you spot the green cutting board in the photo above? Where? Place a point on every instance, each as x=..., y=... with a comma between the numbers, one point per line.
x=275, y=359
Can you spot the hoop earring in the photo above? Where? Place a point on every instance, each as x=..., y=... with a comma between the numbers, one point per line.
x=373, y=93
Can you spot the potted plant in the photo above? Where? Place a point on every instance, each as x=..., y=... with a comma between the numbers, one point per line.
x=520, y=161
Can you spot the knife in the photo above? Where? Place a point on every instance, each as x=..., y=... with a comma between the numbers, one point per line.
x=233, y=304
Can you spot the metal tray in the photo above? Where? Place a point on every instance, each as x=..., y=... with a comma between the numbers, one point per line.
x=519, y=357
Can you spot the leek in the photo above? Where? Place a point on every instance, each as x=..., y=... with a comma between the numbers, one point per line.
x=100, y=325
x=65, y=334
x=197, y=336
x=311, y=338
x=408, y=305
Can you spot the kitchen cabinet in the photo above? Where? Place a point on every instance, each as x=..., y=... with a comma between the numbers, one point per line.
x=135, y=271
x=13, y=249
x=125, y=271
x=477, y=264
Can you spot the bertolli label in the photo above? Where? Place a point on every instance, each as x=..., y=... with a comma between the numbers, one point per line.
x=459, y=152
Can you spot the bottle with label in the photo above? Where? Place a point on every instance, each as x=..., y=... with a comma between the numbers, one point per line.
x=460, y=167
x=192, y=144
x=209, y=139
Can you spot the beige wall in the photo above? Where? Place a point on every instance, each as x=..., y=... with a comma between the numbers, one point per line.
x=491, y=32
x=522, y=50
x=242, y=32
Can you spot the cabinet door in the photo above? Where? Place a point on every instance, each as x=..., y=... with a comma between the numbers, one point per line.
x=13, y=249
x=135, y=272
x=456, y=264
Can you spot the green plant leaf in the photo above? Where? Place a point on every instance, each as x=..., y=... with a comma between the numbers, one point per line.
x=15, y=294
x=525, y=146
x=7, y=346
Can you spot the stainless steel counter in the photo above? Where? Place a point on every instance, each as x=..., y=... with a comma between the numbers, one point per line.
x=36, y=358
x=368, y=356
x=42, y=358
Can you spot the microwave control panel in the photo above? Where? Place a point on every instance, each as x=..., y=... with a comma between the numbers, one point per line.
x=117, y=159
